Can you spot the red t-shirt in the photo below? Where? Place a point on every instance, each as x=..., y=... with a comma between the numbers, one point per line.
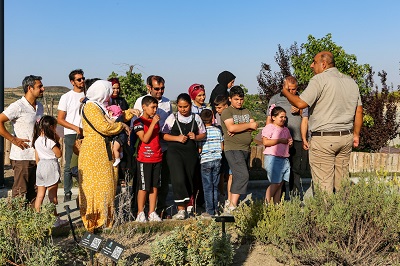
x=148, y=152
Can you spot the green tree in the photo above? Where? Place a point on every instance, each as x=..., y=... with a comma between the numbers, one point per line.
x=301, y=59
x=132, y=85
x=252, y=102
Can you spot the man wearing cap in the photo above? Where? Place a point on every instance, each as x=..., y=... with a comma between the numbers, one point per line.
x=155, y=87
x=69, y=117
x=335, y=119
x=23, y=114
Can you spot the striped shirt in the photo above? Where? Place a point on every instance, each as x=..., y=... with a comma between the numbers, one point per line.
x=211, y=145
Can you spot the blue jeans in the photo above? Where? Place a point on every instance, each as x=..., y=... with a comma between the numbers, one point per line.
x=210, y=177
x=69, y=141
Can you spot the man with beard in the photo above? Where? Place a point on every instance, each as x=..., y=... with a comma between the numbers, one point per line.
x=68, y=116
x=23, y=114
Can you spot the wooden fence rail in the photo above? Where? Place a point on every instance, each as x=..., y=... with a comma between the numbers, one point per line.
x=359, y=161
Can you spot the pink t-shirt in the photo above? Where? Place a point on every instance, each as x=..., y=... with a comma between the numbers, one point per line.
x=271, y=131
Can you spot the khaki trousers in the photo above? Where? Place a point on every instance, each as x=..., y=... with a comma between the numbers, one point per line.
x=329, y=160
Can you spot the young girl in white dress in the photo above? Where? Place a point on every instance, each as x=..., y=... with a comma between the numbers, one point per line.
x=47, y=151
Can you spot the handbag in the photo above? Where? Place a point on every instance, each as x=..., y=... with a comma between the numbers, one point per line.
x=107, y=139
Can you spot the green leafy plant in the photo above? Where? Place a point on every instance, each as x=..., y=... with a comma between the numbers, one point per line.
x=196, y=243
x=25, y=235
x=358, y=225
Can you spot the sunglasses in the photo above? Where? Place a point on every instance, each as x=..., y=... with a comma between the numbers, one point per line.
x=198, y=87
x=160, y=88
x=80, y=79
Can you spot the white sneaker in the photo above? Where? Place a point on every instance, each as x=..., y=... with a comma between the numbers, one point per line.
x=226, y=205
x=153, y=217
x=189, y=209
x=117, y=161
x=141, y=218
x=60, y=222
x=181, y=215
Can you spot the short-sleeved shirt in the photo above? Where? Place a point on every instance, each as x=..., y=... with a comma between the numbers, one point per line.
x=169, y=122
x=293, y=121
x=23, y=117
x=44, y=148
x=239, y=141
x=164, y=109
x=333, y=98
x=70, y=103
x=211, y=145
x=148, y=152
x=197, y=110
x=272, y=131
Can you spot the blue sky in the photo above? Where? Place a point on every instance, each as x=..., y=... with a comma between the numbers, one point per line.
x=187, y=41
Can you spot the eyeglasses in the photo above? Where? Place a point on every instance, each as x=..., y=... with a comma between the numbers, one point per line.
x=80, y=79
x=160, y=88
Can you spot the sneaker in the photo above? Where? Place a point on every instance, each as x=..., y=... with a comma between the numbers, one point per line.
x=141, y=218
x=60, y=222
x=189, y=209
x=153, y=217
x=229, y=211
x=117, y=161
x=67, y=197
x=205, y=215
x=181, y=215
x=226, y=205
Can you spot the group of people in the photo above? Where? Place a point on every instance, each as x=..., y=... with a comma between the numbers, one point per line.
x=197, y=148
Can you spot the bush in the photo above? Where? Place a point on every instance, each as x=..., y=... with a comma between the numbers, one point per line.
x=25, y=235
x=194, y=244
x=359, y=225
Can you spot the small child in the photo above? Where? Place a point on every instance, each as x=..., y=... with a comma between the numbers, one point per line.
x=277, y=140
x=149, y=158
x=47, y=151
x=114, y=111
x=237, y=126
x=220, y=104
x=210, y=149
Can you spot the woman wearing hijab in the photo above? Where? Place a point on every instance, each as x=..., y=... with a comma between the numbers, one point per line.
x=225, y=81
x=198, y=95
x=97, y=176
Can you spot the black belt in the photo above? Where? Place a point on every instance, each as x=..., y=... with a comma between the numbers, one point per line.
x=335, y=133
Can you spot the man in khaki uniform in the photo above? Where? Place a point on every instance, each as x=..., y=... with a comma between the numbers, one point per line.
x=335, y=119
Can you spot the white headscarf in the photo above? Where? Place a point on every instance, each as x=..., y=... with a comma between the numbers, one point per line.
x=100, y=93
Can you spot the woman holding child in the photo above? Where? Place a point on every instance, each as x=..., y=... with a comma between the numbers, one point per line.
x=97, y=176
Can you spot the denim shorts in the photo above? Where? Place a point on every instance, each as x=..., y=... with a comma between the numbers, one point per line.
x=278, y=168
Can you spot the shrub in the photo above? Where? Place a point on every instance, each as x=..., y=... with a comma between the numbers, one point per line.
x=25, y=234
x=358, y=225
x=247, y=217
x=193, y=244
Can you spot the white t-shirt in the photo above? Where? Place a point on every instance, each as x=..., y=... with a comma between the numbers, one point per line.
x=164, y=110
x=169, y=123
x=70, y=103
x=44, y=148
x=23, y=118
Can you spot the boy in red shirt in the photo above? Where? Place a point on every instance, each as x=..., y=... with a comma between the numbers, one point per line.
x=149, y=158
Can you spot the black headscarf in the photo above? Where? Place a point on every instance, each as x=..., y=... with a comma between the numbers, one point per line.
x=222, y=87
